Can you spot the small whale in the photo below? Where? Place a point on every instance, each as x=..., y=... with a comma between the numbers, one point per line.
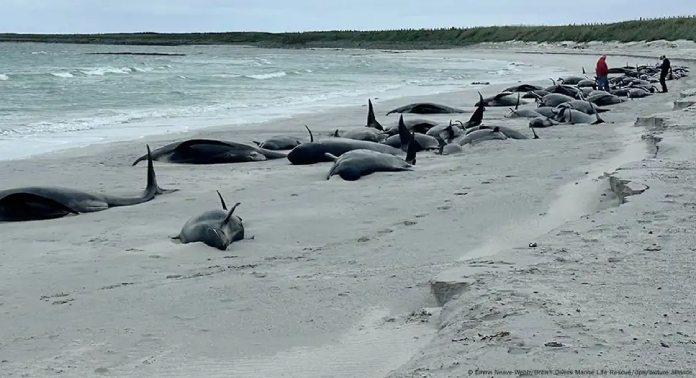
x=363, y=133
x=315, y=152
x=425, y=142
x=280, y=142
x=214, y=228
x=482, y=135
x=210, y=151
x=426, y=108
x=355, y=164
x=50, y=202
x=501, y=99
x=542, y=122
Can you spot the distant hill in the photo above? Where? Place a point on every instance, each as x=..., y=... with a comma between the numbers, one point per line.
x=673, y=28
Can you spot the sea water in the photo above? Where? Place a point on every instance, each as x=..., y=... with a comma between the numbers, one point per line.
x=56, y=96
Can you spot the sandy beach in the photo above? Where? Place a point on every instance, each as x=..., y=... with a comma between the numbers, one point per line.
x=337, y=279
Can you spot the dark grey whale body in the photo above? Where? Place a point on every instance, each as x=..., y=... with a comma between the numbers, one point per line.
x=501, y=99
x=210, y=151
x=418, y=125
x=281, y=142
x=426, y=108
x=355, y=164
x=402, y=140
x=315, y=152
x=508, y=132
x=40, y=203
x=215, y=228
x=523, y=88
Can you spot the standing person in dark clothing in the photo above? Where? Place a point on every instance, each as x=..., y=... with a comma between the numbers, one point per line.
x=666, y=67
x=602, y=72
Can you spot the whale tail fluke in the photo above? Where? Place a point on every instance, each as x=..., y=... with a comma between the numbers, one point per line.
x=229, y=214
x=440, y=147
x=152, y=189
x=333, y=158
x=371, y=119
x=404, y=135
x=517, y=105
x=138, y=160
x=222, y=200
x=412, y=149
x=599, y=119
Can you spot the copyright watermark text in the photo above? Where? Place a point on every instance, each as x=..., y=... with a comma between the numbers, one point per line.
x=598, y=372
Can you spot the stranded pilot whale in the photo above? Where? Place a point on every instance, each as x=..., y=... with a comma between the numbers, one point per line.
x=210, y=151
x=355, y=164
x=281, y=142
x=425, y=142
x=426, y=108
x=46, y=202
x=315, y=152
x=215, y=228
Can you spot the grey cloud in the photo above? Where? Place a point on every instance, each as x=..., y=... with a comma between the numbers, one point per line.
x=88, y=16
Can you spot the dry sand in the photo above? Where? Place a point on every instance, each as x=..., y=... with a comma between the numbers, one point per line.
x=334, y=279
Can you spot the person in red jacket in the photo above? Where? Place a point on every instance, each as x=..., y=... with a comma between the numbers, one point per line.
x=602, y=73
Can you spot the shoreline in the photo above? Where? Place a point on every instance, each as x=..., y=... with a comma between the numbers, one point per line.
x=153, y=129
x=329, y=260
x=160, y=133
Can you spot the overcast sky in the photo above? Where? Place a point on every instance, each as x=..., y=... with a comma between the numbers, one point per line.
x=94, y=16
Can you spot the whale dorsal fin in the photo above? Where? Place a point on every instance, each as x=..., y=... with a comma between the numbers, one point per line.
x=222, y=200
x=311, y=137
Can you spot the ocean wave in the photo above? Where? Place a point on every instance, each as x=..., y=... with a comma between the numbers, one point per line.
x=267, y=76
x=64, y=75
x=505, y=71
x=101, y=71
x=263, y=76
x=113, y=119
x=4, y=77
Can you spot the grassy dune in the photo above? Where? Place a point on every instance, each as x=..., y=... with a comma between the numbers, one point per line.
x=627, y=31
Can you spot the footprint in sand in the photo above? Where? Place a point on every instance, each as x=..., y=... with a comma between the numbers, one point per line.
x=58, y=299
x=385, y=231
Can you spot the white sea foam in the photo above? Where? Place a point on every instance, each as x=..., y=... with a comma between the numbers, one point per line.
x=267, y=76
x=4, y=77
x=101, y=71
x=64, y=75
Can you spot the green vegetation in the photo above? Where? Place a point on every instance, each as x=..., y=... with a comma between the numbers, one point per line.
x=672, y=28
